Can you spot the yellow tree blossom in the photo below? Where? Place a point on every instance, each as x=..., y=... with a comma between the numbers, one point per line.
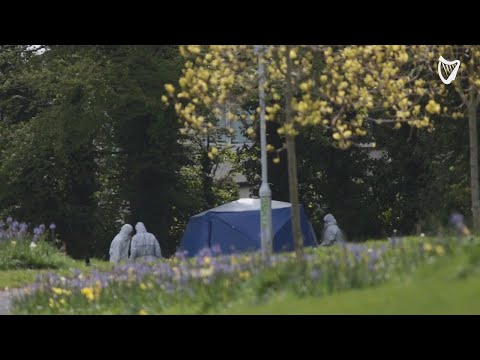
x=341, y=88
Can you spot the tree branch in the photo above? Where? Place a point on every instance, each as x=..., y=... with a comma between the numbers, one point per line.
x=381, y=121
x=220, y=183
x=340, y=113
x=460, y=92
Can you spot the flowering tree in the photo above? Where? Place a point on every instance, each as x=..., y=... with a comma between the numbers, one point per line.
x=421, y=94
x=341, y=88
x=464, y=92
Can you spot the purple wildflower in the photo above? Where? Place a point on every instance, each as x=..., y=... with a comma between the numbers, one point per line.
x=216, y=250
x=204, y=252
x=15, y=225
x=181, y=255
x=23, y=227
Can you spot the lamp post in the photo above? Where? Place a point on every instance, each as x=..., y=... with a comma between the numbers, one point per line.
x=265, y=192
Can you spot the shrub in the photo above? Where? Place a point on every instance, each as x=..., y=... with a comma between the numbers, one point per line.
x=20, y=249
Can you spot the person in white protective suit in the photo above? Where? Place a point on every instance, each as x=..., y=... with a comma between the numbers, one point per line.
x=144, y=245
x=120, y=244
x=332, y=233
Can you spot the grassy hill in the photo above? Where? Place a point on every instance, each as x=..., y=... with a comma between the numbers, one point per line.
x=451, y=286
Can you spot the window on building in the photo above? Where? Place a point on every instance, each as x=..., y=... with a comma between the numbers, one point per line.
x=238, y=126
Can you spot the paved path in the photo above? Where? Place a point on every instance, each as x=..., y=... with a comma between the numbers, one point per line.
x=5, y=301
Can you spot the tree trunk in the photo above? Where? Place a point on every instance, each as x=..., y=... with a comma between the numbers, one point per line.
x=207, y=177
x=292, y=164
x=475, y=191
x=293, y=187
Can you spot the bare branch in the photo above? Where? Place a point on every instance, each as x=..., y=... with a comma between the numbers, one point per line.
x=410, y=134
x=340, y=113
x=220, y=183
x=215, y=168
x=460, y=92
x=386, y=121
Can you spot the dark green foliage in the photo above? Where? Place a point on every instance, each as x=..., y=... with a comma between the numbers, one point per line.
x=424, y=176
x=146, y=134
x=417, y=180
x=330, y=180
x=85, y=142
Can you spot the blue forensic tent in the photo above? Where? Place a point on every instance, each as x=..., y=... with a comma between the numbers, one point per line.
x=235, y=227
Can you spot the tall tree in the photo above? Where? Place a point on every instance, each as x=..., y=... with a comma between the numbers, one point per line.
x=335, y=87
x=56, y=178
x=146, y=134
x=71, y=78
x=467, y=88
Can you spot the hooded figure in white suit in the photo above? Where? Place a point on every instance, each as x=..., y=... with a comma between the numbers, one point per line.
x=144, y=245
x=120, y=244
x=332, y=233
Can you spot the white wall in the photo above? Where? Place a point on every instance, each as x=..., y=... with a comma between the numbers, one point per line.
x=244, y=191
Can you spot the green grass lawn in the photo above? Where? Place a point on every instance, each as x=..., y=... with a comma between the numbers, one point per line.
x=20, y=264
x=10, y=279
x=440, y=289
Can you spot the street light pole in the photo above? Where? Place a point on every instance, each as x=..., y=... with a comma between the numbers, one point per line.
x=265, y=192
